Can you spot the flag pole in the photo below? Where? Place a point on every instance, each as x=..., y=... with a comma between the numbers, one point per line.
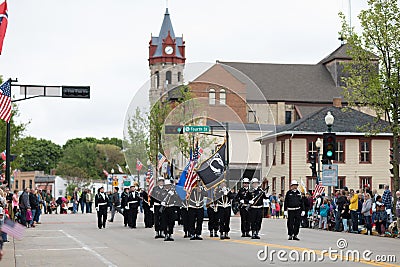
x=8, y=144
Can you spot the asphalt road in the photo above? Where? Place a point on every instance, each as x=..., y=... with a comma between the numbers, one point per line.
x=74, y=240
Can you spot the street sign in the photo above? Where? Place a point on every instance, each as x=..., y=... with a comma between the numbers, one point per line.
x=109, y=179
x=196, y=129
x=115, y=183
x=173, y=129
x=329, y=175
x=75, y=91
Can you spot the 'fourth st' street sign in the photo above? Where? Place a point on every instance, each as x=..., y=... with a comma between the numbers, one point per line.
x=196, y=129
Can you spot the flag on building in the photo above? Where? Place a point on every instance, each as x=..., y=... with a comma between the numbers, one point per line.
x=139, y=165
x=5, y=101
x=3, y=23
x=211, y=172
x=120, y=169
x=318, y=189
x=13, y=229
x=161, y=158
x=105, y=173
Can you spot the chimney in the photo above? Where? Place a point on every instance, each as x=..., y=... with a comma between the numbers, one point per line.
x=337, y=102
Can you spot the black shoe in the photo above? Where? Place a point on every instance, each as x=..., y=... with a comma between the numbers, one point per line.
x=198, y=237
x=216, y=233
x=125, y=225
x=243, y=235
x=253, y=236
x=193, y=237
x=185, y=236
x=290, y=237
x=221, y=237
x=248, y=234
x=296, y=238
x=158, y=235
x=110, y=220
x=226, y=236
x=211, y=234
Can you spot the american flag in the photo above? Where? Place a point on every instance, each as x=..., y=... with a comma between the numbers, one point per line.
x=5, y=101
x=191, y=177
x=3, y=23
x=161, y=159
x=139, y=165
x=13, y=229
x=319, y=188
x=150, y=178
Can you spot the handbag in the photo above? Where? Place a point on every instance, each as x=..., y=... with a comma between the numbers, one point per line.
x=29, y=215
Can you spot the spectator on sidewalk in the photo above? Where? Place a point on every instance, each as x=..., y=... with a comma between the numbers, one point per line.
x=24, y=205
x=353, y=207
x=89, y=201
x=366, y=212
x=387, y=200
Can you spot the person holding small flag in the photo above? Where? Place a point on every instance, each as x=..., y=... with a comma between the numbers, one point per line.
x=294, y=208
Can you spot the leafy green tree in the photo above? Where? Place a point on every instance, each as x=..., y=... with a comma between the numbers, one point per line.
x=108, y=156
x=374, y=72
x=38, y=154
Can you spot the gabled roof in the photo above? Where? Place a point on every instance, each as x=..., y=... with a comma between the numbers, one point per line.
x=286, y=82
x=339, y=53
x=347, y=121
x=166, y=28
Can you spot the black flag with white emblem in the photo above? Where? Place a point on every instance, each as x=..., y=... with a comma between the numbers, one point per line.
x=211, y=171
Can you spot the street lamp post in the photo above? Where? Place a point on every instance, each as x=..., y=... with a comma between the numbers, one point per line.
x=329, y=119
x=112, y=177
x=318, y=144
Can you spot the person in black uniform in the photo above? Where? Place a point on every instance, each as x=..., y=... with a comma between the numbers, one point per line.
x=256, y=205
x=224, y=198
x=132, y=206
x=294, y=207
x=185, y=218
x=148, y=214
x=157, y=195
x=168, y=210
x=196, y=211
x=243, y=197
x=124, y=202
x=213, y=223
x=101, y=204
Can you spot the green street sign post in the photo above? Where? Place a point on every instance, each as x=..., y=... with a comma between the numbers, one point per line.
x=196, y=129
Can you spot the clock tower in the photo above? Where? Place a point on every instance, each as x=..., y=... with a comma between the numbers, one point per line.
x=166, y=60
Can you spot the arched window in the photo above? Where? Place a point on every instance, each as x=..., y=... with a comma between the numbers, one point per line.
x=211, y=97
x=179, y=76
x=157, y=77
x=168, y=77
x=222, y=97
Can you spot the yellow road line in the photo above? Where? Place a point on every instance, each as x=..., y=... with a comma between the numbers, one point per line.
x=320, y=252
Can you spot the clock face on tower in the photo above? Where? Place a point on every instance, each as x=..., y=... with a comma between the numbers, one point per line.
x=168, y=50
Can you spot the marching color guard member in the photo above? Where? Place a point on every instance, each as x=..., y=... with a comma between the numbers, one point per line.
x=185, y=219
x=212, y=210
x=167, y=210
x=101, y=204
x=224, y=201
x=196, y=211
x=255, y=209
x=124, y=202
x=243, y=197
x=157, y=195
x=132, y=206
x=294, y=207
x=148, y=214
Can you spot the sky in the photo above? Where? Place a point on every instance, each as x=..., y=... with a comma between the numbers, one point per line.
x=104, y=44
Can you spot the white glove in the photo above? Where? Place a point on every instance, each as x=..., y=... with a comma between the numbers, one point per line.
x=152, y=209
x=285, y=213
x=126, y=207
x=97, y=208
x=303, y=213
x=242, y=201
x=225, y=193
x=251, y=202
x=163, y=203
x=171, y=192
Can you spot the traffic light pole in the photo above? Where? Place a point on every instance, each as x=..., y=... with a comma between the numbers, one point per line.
x=66, y=92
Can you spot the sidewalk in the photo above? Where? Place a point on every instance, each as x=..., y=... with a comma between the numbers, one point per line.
x=8, y=253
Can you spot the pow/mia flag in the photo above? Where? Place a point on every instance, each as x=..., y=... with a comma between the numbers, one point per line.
x=211, y=172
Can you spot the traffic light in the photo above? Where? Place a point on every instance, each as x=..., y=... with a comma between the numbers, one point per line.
x=329, y=146
x=312, y=158
x=75, y=91
x=173, y=129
